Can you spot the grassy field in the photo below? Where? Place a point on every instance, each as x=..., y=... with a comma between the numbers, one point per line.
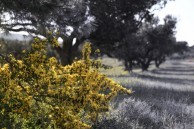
x=163, y=98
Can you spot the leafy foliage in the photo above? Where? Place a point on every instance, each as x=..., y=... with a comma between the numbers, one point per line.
x=37, y=91
x=43, y=15
x=67, y=19
x=116, y=19
x=107, y=22
x=152, y=42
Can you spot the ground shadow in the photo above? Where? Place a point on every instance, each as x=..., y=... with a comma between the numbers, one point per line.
x=165, y=79
x=176, y=70
x=148, y=93
x=159, y=72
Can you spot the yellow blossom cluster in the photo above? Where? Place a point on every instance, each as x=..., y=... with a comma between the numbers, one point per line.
x=43, y=93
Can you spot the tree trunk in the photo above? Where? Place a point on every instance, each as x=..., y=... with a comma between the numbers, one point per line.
x=145, y=64
x=128, y=65
x=157, y=63
x=144, y=67
x=68, y=51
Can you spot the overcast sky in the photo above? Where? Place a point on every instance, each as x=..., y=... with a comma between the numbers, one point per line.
x=184, y=11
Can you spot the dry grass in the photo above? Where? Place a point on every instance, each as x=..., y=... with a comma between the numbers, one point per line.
x=162, y=99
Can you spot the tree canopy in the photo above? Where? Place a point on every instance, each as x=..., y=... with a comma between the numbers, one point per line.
x=118, y=18
x=152, y=42
x=106, y=23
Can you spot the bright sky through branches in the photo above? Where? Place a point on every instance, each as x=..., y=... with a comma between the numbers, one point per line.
x=183, y=10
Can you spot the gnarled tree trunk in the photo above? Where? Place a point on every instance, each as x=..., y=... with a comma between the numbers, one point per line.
x=67, y=52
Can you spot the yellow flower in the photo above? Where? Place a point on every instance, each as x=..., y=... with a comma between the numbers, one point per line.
x=61, y=94
x=23, y=51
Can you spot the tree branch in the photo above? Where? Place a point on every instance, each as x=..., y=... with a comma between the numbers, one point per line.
x=30, y=31
x=18, y=24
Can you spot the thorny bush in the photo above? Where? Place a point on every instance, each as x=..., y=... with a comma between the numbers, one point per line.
x=37, y=91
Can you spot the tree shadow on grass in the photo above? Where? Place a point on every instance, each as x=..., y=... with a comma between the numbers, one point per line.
x=157, y=93
x=148, y=93
x=166, y=79
x=159, y=72
x=176, y=70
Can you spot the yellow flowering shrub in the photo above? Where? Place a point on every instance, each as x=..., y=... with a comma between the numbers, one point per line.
x=37, y=91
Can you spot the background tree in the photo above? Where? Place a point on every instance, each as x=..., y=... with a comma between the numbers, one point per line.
x=163, y=39
x=181, y=47
x=114, y=20
x=39, y=17
x=152, y=42
x=128, y=51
